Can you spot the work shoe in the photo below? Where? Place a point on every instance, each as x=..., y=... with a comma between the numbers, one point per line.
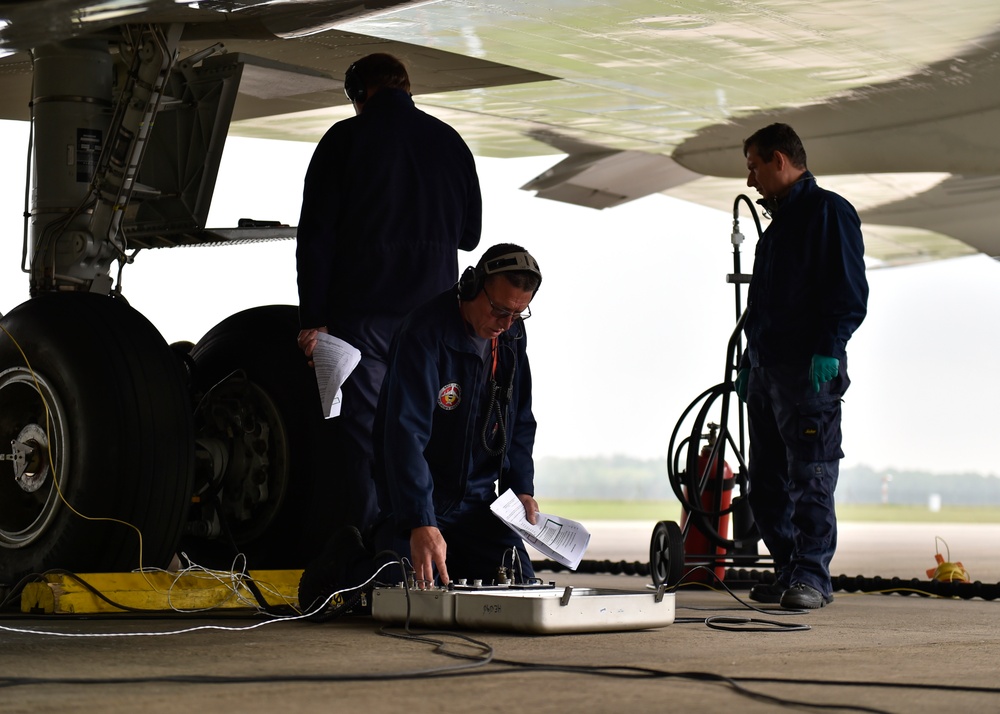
x=804, y=597
x=767, y=592
x=336, y=582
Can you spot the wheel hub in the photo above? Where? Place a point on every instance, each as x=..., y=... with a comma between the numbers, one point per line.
x=29, y=499
x=29, y=452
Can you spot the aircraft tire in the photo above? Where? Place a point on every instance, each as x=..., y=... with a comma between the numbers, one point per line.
x=100, y=395
x=279, y=391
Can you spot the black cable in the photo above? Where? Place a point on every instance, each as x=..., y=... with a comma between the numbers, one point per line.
x=503, y=666
x=93, y=590
x=483, y=655
x=486, y=650
x=750, y=624
x=633, y=672
x=33, y=577
x=14, y=590
x=246, y=580
x=262, y=602
x=500, y=405
x=494, y=405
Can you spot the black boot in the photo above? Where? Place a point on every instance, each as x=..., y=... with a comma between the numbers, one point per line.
x=336, y=582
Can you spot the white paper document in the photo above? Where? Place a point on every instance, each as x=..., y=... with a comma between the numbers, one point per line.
x=561, y=539
x=334, y=360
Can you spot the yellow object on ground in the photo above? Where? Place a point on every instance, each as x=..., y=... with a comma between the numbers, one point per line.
x=158, y=591
x=948, y=572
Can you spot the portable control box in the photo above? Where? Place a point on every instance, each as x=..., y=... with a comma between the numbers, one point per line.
x=532, y=609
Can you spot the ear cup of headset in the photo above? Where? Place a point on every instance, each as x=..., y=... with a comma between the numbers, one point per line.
x=354, y=85
x=470, y=283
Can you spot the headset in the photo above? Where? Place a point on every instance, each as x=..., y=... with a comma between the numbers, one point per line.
x=472, y=280
x=354, y=85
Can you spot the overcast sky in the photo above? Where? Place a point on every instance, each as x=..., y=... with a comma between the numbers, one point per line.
x=631, y=322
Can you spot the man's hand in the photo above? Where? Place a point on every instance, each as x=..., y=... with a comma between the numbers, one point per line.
x=740, y=385
x=530, y=507
x=307, y=340
x=822, y=370
x=427, y=549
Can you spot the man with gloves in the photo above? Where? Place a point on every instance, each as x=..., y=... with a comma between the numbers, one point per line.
x=807, y=297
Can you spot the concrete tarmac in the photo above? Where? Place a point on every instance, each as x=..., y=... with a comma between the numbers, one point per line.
x=865, y=652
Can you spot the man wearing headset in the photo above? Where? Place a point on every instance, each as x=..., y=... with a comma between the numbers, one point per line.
x=807, y=297
x=390, y=196
x=455, y=419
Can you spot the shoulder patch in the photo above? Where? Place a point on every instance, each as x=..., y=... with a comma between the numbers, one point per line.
x=450, y=396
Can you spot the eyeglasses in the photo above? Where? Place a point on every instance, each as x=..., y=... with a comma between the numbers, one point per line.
x=502, y=314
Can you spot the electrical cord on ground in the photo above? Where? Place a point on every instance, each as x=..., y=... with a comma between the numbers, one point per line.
x=232, y=580
x=480, y=660
x=504, y=666
x=262, y=602
x=237, y=577
x=485, y=651
x=633, y=672
x=105, y=635
x=751, y=624
x=732, y=623
x=483, y=654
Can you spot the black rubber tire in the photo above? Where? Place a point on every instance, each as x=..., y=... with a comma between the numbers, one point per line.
x=666, y=554
x=261, y=342
x=120, y=429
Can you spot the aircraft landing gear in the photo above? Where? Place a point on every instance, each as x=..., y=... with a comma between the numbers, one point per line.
x=265, y=478
x=97, y=415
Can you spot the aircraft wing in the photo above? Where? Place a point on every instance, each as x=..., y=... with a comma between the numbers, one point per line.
x=896, y=102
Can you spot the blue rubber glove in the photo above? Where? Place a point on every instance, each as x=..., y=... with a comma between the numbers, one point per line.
x=822, y=370
x=742, y=377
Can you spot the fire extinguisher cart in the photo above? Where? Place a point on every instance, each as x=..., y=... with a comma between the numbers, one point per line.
x=710, y=435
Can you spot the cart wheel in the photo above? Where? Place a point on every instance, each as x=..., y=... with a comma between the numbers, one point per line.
x=666, y=554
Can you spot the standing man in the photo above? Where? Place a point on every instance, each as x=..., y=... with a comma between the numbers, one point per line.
x=390, y=196
x=807, y=297
x=454, y=419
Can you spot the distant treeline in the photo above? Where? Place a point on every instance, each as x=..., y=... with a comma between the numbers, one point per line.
x=621, y=478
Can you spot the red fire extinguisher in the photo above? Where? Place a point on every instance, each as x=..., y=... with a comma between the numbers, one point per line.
x=697, y=547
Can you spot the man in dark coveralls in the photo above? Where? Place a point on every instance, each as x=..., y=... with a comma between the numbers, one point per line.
x=807, y=297
x=455, y=418
x=390, y=196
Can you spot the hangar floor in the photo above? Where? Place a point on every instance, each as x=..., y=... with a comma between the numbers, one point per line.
x=865, y=652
